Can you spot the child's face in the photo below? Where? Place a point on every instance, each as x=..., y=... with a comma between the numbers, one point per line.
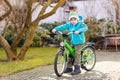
x=73, y=20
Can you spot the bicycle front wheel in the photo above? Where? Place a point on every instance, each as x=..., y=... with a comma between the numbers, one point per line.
x=88, y=58
x=59, y=63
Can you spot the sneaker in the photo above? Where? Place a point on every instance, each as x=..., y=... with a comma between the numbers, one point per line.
x=76, y=70
x=67, y=70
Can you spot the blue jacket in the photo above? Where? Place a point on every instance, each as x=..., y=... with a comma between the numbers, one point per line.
x=81, y=19
x=75, y=38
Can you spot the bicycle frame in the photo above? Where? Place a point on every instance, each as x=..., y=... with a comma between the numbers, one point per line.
x=71, y=50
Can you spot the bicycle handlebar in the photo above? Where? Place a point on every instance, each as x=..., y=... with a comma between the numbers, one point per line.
x=63, y=34
x=59, y=32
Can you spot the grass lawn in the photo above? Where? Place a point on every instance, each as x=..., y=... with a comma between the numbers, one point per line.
x=35, y=57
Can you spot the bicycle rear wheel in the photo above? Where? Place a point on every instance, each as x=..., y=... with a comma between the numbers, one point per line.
x=59, y=63
x=88, y=58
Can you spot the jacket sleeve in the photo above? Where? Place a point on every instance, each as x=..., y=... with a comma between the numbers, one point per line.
x=62, y=27
x=83, y=28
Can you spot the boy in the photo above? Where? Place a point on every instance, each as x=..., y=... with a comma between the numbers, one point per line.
x=74, y=9
x=77, y=38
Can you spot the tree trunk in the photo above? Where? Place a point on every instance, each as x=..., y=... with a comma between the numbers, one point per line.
x=7, y=48
x=28, y=41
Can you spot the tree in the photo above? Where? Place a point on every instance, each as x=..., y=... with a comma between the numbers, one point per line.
x=90, y=8
x=90, y=13
x=117, y=8
x=19, y=13
x=112, y=9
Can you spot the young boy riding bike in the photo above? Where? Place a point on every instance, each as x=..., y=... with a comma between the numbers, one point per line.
x=76, y=39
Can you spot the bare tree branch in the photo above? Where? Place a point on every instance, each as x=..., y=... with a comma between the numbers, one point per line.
x=24, y=30
x=43, y=16
x=45, y=6
x=39, y=3
x=10, y=9
x=116, y=5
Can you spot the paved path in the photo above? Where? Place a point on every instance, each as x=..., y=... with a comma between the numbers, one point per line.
x=107, y=68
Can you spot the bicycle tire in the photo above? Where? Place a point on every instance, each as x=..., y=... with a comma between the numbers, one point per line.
x=56, y=68
x=84, y=64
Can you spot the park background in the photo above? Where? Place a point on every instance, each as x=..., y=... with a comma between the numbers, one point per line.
x=20, y=29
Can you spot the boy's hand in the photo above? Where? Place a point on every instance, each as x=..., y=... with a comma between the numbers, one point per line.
x=77, y=32
x=54, y=30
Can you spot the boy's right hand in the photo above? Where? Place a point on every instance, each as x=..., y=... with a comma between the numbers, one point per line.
x=54, y=30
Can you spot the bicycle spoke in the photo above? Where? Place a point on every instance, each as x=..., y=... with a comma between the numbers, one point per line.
x=88, y=58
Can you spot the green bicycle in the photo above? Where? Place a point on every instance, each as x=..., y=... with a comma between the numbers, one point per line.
x=88, y=56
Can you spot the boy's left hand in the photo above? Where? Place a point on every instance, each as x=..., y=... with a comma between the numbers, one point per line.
x=77, y=32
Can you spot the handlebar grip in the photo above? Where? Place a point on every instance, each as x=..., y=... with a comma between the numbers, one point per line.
x=56, y=32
